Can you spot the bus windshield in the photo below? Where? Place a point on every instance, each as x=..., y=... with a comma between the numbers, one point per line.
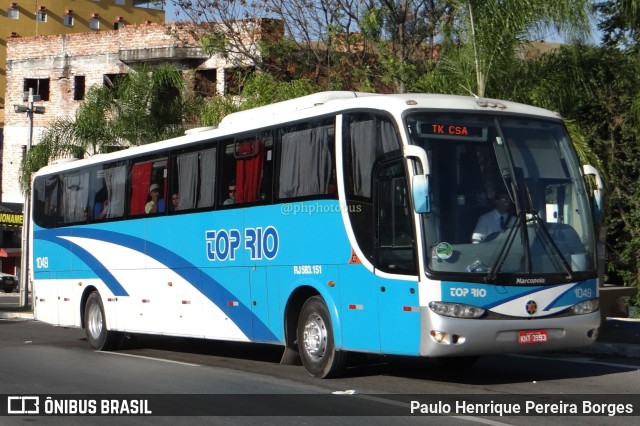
x=507, y=198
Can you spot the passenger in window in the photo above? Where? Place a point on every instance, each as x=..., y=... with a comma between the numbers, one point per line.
x=332, y=188
x=156, y=202
x=175, y=200
x=232, y=194
x=101, y=206
x=497, y=220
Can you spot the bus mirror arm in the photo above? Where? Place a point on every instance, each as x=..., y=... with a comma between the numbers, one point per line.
x=419, y=182
x=416, y=152
x=598, y=192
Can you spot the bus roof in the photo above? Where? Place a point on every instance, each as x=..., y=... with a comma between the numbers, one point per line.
x=311, y=105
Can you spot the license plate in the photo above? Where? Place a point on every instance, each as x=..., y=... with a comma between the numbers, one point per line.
x=533, y=336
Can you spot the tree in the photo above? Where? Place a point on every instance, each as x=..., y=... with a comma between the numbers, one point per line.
x=260, y=89
x=337, y=44
x=481, y=40
x=143, y=106
x=598, y=89
x=619, y=22
x=402, y=35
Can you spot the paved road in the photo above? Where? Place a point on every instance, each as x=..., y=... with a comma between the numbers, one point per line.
x=47, y=360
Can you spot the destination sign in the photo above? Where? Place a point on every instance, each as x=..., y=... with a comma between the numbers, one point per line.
x=437, y=129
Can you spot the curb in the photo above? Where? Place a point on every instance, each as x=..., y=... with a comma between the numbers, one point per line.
x=622, y=350
x=16, y=315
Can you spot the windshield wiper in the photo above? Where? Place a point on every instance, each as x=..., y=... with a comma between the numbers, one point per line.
x=496, y=265
x=522, y=221
x=542, y=226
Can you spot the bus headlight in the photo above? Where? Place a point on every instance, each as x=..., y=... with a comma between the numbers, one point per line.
x=586, y=307
x=456, y=310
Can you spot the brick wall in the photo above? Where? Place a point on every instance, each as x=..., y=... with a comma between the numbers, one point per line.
x=62, y=57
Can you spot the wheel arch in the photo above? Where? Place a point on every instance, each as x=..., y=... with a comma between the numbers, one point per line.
x=294, y=306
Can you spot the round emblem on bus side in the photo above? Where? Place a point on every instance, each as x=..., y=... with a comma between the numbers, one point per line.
x=531, y=307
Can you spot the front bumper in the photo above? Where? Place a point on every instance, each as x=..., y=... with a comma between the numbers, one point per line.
x=466, y=337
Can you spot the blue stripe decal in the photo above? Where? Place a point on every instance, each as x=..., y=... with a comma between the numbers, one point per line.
x=581, y=291
x=241, y=315
x=94, y=264
x=520, y=293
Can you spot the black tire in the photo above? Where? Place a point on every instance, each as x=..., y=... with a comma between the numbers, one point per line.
x=315, y=341
x=95, y=326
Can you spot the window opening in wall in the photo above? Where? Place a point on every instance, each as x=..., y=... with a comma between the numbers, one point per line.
x=41, y=16
x=78, y=87
x=205, y=83
x=68, y=20
x=13, y=13
x=40, y=87
x=119, y=23
x=234, y=79
x=94, y=23
x=149, y=4
x=111, y=81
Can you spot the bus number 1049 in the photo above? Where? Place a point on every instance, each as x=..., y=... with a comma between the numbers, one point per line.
x=42, y=262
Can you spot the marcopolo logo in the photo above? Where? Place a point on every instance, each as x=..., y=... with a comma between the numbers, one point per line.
x=261, y=243
x=521, y=280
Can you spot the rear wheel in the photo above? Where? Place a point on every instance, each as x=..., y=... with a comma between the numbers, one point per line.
x=95, y=325
x=315, y=341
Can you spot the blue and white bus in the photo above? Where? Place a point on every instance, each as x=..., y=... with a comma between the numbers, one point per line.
x=333, y=223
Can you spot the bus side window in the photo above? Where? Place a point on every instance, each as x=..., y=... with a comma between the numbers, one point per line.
x=227, y=183
x=75, y=197
x=249, y=165
x=45, y=201
x=196, y=172
x=367, y=137
x=148, y=187
x=247, y=170
x=395, y=242
x=115, y=179
x=306, y=158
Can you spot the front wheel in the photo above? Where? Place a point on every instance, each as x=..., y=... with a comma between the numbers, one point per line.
x=315, y=341
x=95, y=325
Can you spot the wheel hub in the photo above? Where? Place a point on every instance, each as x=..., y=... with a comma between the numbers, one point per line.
x=315, y=336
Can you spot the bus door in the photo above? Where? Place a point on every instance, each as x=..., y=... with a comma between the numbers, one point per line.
x=395, y=261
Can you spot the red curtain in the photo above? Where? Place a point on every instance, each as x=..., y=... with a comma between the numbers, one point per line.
x=249, y=172
x=140, y=181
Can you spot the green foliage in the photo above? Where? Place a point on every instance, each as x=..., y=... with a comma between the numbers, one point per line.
x=483, y=36
x=259, y=89
x=598, y=90
x=215, y=44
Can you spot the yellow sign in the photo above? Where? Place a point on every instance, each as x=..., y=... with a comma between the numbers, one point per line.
x=11, y=219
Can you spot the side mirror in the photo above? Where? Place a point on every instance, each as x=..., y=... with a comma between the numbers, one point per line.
x=419, y=183
x=420, y=192
x=598, y=192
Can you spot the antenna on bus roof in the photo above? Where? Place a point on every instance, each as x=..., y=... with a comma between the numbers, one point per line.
x=470, y=92
x=284, y=107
